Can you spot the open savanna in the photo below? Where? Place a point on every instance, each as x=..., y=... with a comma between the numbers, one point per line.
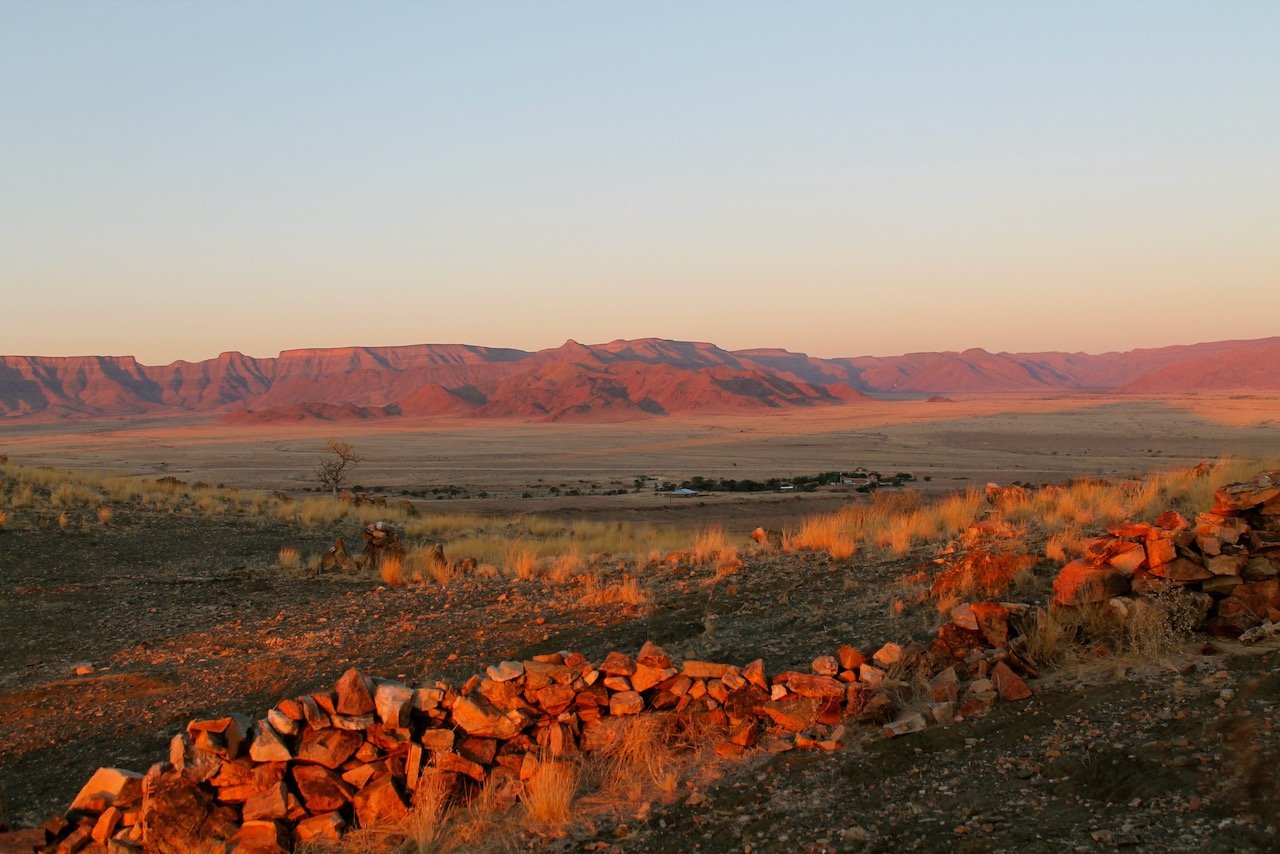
x=967, y=442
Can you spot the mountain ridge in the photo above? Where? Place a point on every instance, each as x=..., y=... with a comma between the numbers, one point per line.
x=616, y=380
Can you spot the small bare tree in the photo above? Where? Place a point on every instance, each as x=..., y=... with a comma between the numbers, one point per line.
x=332, y=470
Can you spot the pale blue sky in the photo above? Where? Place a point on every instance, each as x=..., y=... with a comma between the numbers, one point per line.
x=182, y=178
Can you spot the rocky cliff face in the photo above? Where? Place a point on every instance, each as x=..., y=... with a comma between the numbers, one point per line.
x=617, y=380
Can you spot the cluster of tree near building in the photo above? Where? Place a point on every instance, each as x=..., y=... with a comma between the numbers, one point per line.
x=861, y=479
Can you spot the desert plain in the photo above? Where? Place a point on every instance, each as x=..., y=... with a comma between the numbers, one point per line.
x=121, y=631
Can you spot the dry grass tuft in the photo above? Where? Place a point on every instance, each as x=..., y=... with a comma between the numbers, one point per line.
x=626, y=592
x=1147, y=628
x=425, y=828
x=711, y=543
x=104, y=515
x=547, y=801
x=288, y=559
x=727, y=564
x=566, y=566
x=827, y=532
x=641, y=762
x=1065, y=545
x=521, y=562
x=4, y=518
x=391, y=568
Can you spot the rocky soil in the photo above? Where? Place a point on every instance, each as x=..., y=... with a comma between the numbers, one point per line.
x=120, y=634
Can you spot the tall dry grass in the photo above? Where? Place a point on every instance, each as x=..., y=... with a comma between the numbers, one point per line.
x=710, y=544
x=828, y=532
x=547, y=800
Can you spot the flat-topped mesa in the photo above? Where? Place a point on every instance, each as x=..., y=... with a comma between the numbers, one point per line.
x=315, y=766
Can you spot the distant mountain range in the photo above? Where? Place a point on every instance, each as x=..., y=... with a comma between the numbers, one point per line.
x=615, y=381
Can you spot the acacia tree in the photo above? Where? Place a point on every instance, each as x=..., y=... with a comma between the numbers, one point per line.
x=333, y=468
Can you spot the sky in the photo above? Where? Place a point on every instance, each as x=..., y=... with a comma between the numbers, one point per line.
x=182, y=179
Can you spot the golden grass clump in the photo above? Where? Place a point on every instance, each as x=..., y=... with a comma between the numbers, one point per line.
x=521, y=562
x=710, y=544
x=391, y=568
x=423, y=561
x=70, y=494
x=318, y=512
x=23, y=496
x=566, y=566
x=4, y=518
x=827, y=532
x=728, y=563
x=104, y=515
x=288, y=559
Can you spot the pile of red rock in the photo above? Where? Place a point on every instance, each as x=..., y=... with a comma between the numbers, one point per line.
x=1230, y=557
x=319, y=764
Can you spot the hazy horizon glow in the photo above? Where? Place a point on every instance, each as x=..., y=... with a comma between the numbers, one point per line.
x=866, y=178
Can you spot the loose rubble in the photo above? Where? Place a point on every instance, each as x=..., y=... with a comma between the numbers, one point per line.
x=315, y=766
x=1228, y=559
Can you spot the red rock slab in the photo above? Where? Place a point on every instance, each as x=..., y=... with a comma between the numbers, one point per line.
x=355, y=694
x=626, y=703
x=962, y=615
x=326, y=827
x=1181, y=569
x=1081, y=582
x=106, y=786
x=652, y=655
x=617, y=664
x=646, y=676
x=888, y=655
x=1129, y=529
x=480, y=750
x=1235, y=498
x=993, y=622
x=477, y=717
x=849, y=658
x=261, y=837
x=792, y=715
x=1127, y=557
x=456, y=764
x=954, y=642
x=1010, y=685
x=268, y=805
x=1172, y=520
x=810, y=685
x=1160, y=550
x=754, y=673
x=328, y=747
x=905, y=725
x=437, y=739
x=380, y=803
x=267, y=746
x=704, y=670
x=321, y=789
x=945, y=686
